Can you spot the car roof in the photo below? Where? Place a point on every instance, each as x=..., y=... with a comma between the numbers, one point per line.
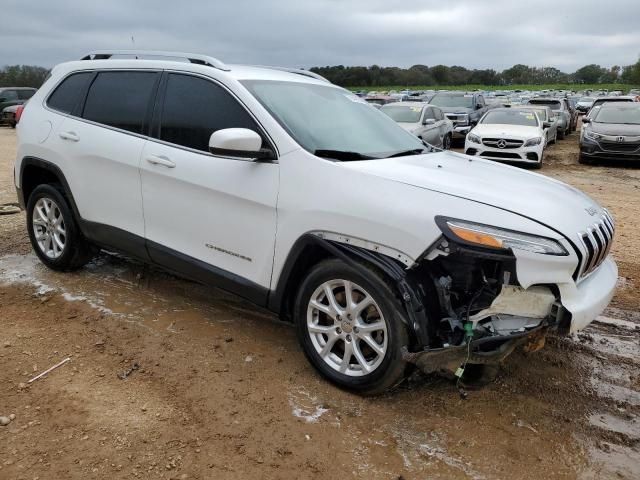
x=141, y=59
x=623, y=105
x=619, y=98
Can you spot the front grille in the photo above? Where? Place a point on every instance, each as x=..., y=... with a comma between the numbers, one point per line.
x=619, y=146
x=457, y=119
x=508, y=142
x=597, y=240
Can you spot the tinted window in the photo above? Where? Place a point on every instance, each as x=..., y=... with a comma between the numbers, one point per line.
x=70, y=92
x=120, y=99
x=8, y=95
x=25, y=94
x=194, y=108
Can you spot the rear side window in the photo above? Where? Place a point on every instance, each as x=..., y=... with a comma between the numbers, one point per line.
x=8, y=95
x=194, y=108
x=66, y=97
x=25, y=94
x=120, y=99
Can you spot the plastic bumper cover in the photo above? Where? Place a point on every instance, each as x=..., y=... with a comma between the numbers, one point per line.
x=588, y=299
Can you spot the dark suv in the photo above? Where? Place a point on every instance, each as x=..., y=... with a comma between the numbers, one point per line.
x=463, y=109
x=10, y=96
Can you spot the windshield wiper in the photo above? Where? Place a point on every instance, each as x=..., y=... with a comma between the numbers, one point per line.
x=342, y=155
x=405, y=153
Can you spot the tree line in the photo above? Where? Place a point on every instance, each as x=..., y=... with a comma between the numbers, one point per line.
x=442, y=75
x=438, y=75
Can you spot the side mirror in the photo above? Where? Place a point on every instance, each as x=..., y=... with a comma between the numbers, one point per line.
x=428, y=121
x=586, y=120
x=478, y=106
x=238, y=142
x=546, y=124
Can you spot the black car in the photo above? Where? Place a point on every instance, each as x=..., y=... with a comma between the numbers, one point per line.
x=14, y=96
x=612, y=132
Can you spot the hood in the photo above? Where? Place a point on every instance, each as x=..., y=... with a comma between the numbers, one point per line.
x=460, y=110
x=615, y=129
x=506, y=131
x=550, y=202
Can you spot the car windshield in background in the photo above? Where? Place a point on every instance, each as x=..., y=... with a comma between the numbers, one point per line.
x=332, y=122
x=463, y=101
x=510, y=117
x=403, y=113
x=610, y=114
x=547, y=103
x=586, y=100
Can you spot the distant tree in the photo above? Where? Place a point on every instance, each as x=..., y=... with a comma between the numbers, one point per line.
x=22, y=76
x=589, y=74
x=440, y=74
x=631, y=74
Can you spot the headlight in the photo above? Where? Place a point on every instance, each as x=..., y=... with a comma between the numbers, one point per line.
x=480, y=235
x=473, y=138
x=463, y=119
x=591, y=135
x=533, y=142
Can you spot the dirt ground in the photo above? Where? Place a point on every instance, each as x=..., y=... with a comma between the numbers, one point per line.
x=219, y=389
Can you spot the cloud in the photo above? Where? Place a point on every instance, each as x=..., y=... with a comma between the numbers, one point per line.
x=476, y=34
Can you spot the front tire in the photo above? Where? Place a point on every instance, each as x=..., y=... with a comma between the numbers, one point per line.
x=350, y=326
x=53, y=230
x=446, y=142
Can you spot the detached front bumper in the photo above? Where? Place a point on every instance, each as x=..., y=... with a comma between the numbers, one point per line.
x=588, y=299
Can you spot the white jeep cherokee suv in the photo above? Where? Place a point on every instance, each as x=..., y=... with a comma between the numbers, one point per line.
x=296, y=195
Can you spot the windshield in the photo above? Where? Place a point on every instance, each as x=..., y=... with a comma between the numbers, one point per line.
x=541, y=113
x=403, y=113
x=327, y=118
x=463, y=101
x=610, y=114
x=586, y=100
x=510, y=117
x=552, y=104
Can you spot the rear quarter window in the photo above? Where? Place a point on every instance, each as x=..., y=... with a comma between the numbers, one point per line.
x=121, y=99
x=67, y=96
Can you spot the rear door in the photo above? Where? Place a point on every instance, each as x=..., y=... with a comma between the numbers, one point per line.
x=210, y=217
x=102, y=141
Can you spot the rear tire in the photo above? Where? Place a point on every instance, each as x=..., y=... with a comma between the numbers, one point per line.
x=369, y=328
x=53, y=230
x=561, y=134
x=446, y=142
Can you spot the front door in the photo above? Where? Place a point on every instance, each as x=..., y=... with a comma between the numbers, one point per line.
x=210, y=217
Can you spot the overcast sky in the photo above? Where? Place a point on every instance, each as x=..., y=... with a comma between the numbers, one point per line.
x=495, y=34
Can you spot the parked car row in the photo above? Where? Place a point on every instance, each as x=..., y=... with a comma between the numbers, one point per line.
x=10, y=99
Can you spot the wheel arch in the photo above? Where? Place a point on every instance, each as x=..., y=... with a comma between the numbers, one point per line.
x=310, y=249
x=36, y=171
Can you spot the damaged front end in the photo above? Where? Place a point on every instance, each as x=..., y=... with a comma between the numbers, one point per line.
x=476, y=312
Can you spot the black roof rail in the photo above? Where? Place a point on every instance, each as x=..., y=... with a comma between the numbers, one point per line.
x=190, y=57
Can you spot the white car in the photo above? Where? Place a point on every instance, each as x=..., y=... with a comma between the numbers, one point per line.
x=508, y=135
x=298, y=196
x=425, y=121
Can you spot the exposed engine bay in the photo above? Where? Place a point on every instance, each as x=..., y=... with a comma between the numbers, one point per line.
x=476, y=311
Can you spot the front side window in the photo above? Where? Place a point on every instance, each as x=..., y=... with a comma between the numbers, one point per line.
x=324, y=118
x=194, y=108
x=121, y=99
x=68, y=95
x=429, y=114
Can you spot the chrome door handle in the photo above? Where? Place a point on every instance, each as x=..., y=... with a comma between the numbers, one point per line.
x=71, y=136
x=160, y=160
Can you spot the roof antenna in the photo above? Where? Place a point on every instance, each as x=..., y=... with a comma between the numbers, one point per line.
x=133, y=42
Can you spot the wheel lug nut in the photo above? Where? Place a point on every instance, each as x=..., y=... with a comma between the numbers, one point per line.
x=338, y=330
x=338, y=317
x=355, y=329
x=348, y=338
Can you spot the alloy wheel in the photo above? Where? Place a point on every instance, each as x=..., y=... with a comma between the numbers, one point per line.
x=49, y=228
x=347, y=328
